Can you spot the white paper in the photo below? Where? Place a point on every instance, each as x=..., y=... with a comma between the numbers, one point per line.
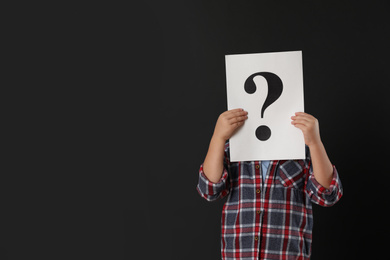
x=286, y=142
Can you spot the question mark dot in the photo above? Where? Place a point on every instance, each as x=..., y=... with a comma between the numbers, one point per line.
x=263, y=133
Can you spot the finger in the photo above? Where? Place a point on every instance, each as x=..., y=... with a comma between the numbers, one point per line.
x=300, y=121
x=303, y=114
x=229, y=114
x=238, y=124
x=232, y=111
x=234, y=114
x=301, y=126
x=237, y=119
x=307, y=119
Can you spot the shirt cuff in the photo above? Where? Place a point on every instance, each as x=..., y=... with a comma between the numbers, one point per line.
x=210, y=190
x=333, y=185
x=325, y=196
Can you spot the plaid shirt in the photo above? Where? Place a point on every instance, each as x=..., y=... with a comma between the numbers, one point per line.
x=270, y=219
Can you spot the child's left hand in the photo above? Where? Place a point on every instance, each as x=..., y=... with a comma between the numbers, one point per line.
x=309, y=126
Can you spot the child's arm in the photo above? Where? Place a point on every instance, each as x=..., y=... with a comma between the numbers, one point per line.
x=322, y=167
x=227, y=123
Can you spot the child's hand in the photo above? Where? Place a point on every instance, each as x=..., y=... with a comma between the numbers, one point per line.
x=309, y=126
x=228, y=122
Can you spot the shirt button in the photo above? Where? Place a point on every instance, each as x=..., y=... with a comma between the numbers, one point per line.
x=258, y=191
x=257, y=167
x=256, y=238
x=258, y=212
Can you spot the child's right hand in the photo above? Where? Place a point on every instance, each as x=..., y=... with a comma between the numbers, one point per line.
x=228, y=122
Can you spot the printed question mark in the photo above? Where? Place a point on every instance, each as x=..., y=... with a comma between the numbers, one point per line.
x=275, y=89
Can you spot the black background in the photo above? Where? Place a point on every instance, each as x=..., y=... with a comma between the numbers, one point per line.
x=110, y=108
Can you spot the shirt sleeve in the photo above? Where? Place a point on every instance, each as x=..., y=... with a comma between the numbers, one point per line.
x=318, y=194
x=214, y=191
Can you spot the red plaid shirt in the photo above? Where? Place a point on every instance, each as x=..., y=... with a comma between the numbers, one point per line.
x=270, y=219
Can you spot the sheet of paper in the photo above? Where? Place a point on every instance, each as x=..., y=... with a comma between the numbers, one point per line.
x=270, y=87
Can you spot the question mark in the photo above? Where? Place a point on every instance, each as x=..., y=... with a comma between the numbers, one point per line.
x=275, y=89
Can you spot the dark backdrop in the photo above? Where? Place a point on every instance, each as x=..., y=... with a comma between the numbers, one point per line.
x=112, y=107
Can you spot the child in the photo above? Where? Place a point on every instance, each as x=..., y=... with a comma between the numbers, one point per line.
x=268, y=212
